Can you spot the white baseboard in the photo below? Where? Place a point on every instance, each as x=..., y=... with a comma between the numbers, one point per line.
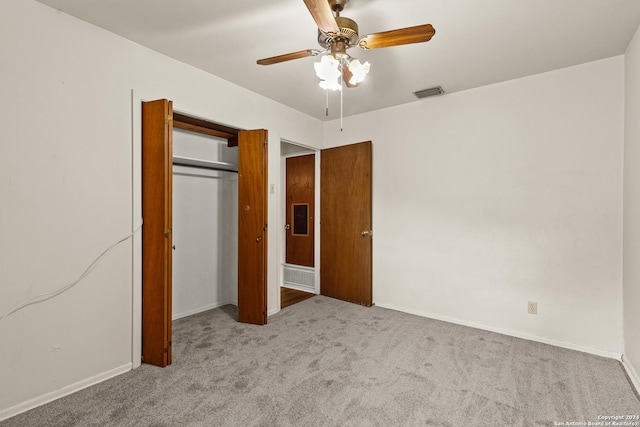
x=633, y=374
x=64, y=391
x=202, y=309
x=508, y=332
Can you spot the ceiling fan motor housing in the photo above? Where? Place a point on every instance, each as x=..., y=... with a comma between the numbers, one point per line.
x=345, y=38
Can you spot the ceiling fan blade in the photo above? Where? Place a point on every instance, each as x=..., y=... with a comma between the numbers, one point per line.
x=288, y=57
x=417, y=34
x=322, y=14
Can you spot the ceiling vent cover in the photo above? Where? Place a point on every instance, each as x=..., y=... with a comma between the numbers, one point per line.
x=425, y=93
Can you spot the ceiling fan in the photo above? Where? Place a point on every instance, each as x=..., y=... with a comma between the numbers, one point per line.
x=337, y=34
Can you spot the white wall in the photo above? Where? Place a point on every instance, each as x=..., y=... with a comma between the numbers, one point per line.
x=66, y=189
x=632, y=211
x=205, y=226
x=488, y=198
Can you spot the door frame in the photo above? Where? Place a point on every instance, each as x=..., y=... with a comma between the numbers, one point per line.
x=282, y=213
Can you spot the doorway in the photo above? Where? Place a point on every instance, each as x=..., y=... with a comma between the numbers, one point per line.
x=300, y=215
x=343, y=265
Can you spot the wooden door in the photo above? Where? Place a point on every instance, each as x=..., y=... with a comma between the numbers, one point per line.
x=252, y=227
x=157, y=181
x=345, y=217
x=300, y=210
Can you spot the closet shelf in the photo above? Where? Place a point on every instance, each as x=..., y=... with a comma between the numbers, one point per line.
x=204, y=164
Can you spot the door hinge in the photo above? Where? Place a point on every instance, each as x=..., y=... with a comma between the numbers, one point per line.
x=166, y=235
x=265, y=227
x=166, y=350
x=168, y=119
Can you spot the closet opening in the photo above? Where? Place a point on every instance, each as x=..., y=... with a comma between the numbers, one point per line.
x=221, y=250
x=205, y=220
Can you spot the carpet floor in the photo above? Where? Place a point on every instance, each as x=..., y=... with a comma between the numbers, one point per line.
x=324, y=362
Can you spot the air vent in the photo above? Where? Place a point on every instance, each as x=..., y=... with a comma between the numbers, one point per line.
x=424, y=93
x=298, y=277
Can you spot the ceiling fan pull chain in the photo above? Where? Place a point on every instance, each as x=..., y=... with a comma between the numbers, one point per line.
x=341, y=93
x=326, y=91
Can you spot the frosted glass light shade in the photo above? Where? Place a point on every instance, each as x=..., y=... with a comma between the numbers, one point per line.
x=359, y=71
x=328, y=70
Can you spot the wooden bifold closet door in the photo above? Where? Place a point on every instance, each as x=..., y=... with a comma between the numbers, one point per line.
x=252, y=226
x=157, y=179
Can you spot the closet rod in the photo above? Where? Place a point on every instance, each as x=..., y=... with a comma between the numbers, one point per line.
x=205, y=164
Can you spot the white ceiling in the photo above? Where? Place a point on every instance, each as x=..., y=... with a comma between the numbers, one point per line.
x=476, y=42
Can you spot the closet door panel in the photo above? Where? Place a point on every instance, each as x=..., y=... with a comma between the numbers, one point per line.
x=252, y=227
x=157, y=228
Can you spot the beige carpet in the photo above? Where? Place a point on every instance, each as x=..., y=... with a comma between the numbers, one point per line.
x=324, y=362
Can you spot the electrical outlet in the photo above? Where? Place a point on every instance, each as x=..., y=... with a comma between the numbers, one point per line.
x=532, y=307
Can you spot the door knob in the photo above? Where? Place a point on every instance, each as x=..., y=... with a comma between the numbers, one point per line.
x=367, y=233
x=286, y=227
x=258, y=239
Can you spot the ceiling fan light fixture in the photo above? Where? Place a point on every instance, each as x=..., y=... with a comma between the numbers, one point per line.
x=359, y=71
x=328, y=71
